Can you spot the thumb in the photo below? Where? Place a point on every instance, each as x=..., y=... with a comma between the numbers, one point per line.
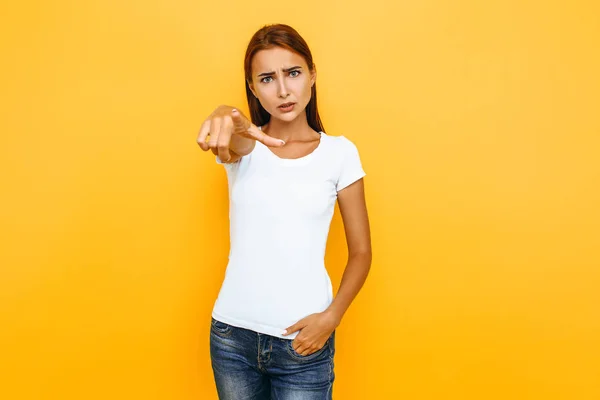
x=296, y=327
x=240, y=123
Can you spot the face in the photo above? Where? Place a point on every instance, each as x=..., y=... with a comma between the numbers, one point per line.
x=280, y=76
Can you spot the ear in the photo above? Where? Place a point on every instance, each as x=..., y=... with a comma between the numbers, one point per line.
x=313, y=75
x=251, y=86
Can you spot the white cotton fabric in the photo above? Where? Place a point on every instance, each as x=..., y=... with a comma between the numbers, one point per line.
x=280, y=211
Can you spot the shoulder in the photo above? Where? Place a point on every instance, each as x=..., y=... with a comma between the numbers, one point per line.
x=341, y=144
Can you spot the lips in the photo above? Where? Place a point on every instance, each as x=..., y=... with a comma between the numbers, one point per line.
x=286, y=105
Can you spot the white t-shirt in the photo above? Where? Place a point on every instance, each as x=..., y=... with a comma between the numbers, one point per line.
x=280, y=211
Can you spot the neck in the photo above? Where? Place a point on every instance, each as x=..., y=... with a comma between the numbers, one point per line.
x=296, y=130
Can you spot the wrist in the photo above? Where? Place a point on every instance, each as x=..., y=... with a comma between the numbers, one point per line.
x=335, y=315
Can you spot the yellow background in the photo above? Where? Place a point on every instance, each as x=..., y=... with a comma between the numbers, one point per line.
x=477, y=123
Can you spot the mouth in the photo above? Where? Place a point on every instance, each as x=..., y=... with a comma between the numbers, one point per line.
x=286, y=106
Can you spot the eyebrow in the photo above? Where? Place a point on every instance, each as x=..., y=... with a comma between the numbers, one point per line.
x=284, y=70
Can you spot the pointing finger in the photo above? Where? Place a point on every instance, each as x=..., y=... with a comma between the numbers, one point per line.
x=262, y=137
x=246, y=128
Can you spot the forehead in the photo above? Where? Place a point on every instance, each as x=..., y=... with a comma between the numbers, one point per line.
x=274, y=59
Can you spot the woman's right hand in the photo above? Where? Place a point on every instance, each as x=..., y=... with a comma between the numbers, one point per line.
x=228, y=130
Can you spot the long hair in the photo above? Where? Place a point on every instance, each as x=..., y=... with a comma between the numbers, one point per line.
x=279, y=35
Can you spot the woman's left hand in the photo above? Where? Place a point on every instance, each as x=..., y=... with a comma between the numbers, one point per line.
x=315, y=329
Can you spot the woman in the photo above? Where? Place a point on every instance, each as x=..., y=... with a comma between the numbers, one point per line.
x=273, y=323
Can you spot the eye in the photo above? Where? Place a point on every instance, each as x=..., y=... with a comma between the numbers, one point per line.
x=266, y=77
x=295, y=71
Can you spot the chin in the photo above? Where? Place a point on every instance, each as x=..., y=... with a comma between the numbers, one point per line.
x=288, y=117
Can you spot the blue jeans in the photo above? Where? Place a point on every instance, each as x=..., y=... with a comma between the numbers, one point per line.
x=253, y=366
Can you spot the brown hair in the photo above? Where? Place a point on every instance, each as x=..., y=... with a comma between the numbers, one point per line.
x=285, y=36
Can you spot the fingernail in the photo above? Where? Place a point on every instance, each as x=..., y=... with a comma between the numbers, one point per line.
x=284, y=332
x=282, y=141
x=234, y=110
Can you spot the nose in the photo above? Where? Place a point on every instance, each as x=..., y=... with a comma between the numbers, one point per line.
x=282, y=89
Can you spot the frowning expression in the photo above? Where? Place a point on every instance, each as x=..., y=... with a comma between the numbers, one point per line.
x=281, y=77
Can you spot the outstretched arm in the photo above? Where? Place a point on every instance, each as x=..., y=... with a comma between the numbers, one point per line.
x=231, y=135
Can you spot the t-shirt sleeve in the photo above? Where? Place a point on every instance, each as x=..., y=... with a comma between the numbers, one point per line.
x=230, y=168
x=351, y=169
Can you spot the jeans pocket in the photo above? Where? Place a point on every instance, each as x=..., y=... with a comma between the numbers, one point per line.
x=299, y=357
x=220, y=328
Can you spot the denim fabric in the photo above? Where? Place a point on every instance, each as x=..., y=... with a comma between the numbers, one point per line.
x=253, y=366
